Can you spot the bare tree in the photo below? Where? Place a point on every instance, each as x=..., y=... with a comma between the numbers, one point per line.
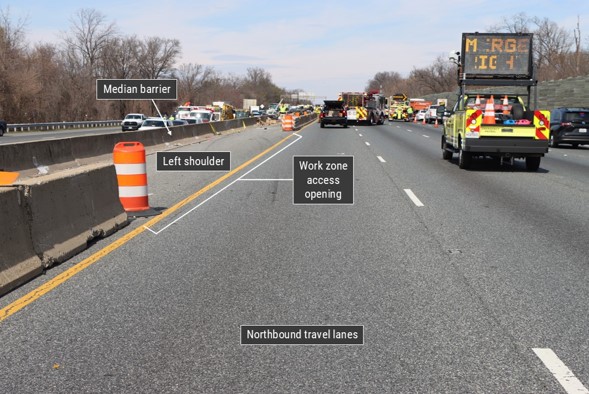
x=191, y=78
x=89, y=34
x=156, y=57
x=388, y=82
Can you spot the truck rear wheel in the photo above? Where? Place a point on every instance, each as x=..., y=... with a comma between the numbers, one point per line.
x=446, y=153
x=533, y=163
x=464, y=159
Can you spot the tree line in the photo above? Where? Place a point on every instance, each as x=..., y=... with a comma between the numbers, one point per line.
x=57, y=82
x=558, y=54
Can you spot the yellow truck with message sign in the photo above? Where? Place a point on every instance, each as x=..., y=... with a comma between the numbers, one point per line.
x=497, y=121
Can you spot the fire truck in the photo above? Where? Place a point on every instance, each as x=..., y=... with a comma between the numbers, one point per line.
x=367, y=107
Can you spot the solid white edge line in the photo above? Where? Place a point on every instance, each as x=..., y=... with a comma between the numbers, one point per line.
x=413, y=197
x=560, y=371
x=367, y=143
x=381, y=159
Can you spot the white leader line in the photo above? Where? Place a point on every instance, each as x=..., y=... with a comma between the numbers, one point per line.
x=413, y=198
x=560, y=371
x=265, y=179
x=381, y=159
x=219, y=191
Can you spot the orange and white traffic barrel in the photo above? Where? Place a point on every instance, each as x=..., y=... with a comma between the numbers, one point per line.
x=287, y=123
x=129, y=160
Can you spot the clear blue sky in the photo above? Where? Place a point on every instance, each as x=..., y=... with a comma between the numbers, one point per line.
x=323, y=47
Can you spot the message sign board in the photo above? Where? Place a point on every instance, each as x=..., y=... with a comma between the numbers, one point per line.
x=497, y=55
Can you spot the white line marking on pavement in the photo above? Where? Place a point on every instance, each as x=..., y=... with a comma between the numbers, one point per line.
x=360, y=135
x=426, y=136
x=398, y=126
x=367, y=143
x=413, y=198
x=219, y=191
x=381, y=159
x=409, y=130
x=560, y=371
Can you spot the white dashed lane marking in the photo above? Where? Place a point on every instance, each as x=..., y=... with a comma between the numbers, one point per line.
x=413, y=198
x=560, y=371
x=381, y=159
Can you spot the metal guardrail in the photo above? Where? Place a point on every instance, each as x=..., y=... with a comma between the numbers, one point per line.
x=62, y=125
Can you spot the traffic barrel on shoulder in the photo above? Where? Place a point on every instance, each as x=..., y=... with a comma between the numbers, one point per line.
x=287, y=123
x=129, y=161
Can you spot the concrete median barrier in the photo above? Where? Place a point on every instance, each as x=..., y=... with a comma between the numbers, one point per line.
x=18, y=259
x=71, y=208
x=48, y=220
x=32, y=158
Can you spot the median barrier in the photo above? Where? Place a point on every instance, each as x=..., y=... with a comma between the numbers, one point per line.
x=34, y=158
x=68, y=209
x=18, y=259
x=301, y=121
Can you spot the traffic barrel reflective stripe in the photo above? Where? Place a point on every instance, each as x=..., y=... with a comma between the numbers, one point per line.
x=541, y=121
x=287, y=123
x=129, y=160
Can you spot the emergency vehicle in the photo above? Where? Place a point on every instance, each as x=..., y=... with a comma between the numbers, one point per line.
x=367, y=107
x=494, y=122
x=400, y=104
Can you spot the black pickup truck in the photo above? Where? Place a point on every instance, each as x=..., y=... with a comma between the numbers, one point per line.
x=3, y=127
x=333, y=112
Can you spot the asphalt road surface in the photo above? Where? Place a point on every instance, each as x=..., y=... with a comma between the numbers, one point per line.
x=464, y=281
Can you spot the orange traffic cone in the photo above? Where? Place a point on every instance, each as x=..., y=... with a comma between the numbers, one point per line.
x=505, y=106
x=423, y=122
x=436, y=124
x=489, y=116
x=477, y=103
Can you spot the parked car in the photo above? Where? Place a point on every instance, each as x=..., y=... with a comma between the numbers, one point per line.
x=431, y=114
x=3, y=127
x=179, y=122
x=133, y=121
x=569, y=126
x=154, y=123
x=333, y=112
x=420, y=115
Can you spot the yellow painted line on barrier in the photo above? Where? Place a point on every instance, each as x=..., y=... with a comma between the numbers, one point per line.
x=45, y=288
